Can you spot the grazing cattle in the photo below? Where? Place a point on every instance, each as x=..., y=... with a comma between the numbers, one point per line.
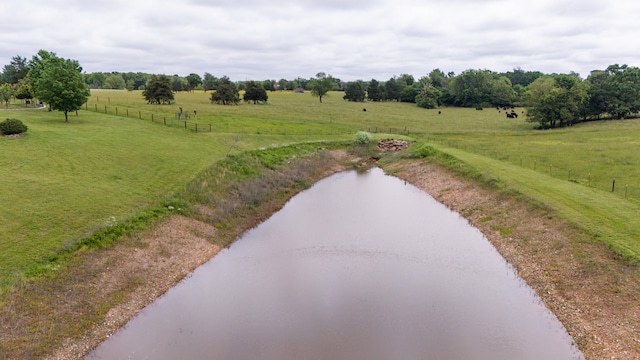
x=510, y=115
x=439, y=112
x=364, y=109
x=479, y=108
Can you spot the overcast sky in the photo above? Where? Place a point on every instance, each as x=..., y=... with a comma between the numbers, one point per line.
x=349, y=39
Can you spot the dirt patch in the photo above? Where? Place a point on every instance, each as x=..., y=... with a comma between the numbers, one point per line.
x=158, y=258
x=595, y=296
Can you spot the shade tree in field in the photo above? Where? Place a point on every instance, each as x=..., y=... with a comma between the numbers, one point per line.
x=57, y=82
x=210, y=82
x=472, y=88
x=255, y=92
x=556, y=101
x=158, y=90
x=321, y=85
x=226, y=94
x=193, y=81
x=374, y=92
x=354, y=91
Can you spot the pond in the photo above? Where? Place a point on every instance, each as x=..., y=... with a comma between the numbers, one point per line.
x=360, y=266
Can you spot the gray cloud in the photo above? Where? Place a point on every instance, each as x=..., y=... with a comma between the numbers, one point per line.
x=360, y=39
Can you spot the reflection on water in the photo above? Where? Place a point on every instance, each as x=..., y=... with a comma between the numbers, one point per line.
x=359, y=266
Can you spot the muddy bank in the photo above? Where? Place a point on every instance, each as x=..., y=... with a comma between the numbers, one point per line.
x=592, y=294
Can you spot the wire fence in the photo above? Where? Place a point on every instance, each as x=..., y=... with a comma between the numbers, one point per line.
x=579, y=175
x=154, y=117
x=182, y=120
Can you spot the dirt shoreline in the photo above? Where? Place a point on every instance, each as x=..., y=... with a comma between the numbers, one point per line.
x=592, y=294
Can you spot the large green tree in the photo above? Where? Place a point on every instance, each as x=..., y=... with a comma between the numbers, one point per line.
x=321, y=85
x=255, y=92
x=57, y=82
x=158, y=90
x=392, y=89
x=374, y=92
x=556, y=101
x=226, y=94
x=472, y=88
x=193, y=81
x=622, y=90
x=354, y=91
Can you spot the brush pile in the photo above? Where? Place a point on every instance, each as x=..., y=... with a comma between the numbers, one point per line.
x=393, y=145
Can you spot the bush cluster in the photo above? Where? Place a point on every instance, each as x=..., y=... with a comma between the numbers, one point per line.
x=12, y=127
x=363, y=137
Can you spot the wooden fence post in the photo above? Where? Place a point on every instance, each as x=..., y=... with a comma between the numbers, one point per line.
x=613, y=185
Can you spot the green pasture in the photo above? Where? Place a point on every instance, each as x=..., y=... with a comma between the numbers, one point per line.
x=591, y=154
x=302, y=113
x=62, y=181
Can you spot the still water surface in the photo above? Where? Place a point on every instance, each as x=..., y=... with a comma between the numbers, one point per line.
x=360, y=266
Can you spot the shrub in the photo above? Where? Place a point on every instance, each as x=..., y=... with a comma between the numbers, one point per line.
x=12, y=126
x=363, y=137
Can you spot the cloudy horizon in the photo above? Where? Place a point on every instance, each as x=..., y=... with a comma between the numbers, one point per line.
x=258, y=40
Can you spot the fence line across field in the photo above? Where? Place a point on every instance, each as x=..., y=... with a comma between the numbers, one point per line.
x=582, y=177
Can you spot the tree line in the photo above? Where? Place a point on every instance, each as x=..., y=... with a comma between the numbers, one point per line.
x=553, y=100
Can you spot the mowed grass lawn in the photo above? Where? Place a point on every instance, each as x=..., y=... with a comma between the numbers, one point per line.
x=63, y=180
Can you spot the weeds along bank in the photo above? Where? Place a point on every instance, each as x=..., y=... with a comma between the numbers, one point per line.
x=92, y=288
